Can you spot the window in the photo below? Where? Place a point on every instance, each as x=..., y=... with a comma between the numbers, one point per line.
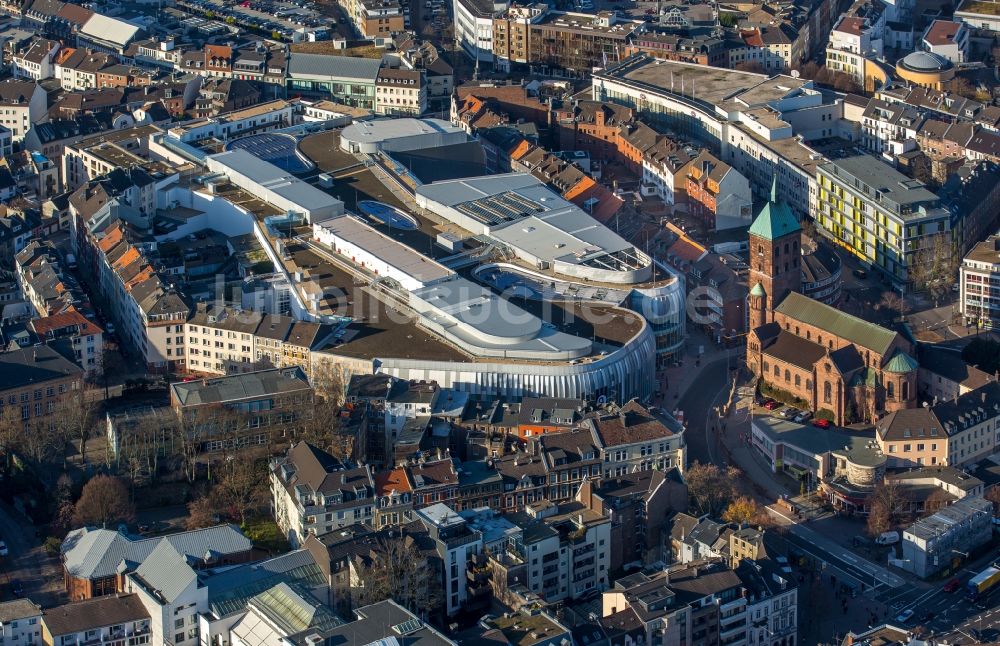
x=827, y=392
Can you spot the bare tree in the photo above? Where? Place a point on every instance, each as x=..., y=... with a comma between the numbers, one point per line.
x=710, y=488
x=104, y=501
x=894, y=304
x=242, y=486
x=887, y=506
x=201, y=513
x=935, y=266
x=77, y=416
x=396, y=569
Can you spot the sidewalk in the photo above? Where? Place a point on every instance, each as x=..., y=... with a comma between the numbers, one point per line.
x=674, y=381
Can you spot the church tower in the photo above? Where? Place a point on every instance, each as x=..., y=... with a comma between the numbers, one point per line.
x=775, y=258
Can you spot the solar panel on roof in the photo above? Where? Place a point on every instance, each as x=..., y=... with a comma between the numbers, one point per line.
x=408, y=626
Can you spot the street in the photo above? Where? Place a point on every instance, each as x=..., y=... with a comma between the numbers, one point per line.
x=27, y=562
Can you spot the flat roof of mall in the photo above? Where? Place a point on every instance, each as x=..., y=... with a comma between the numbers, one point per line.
x=711, y=85
x=373, y=132
x=522, y=212
x=273, y=179
x=393, y=253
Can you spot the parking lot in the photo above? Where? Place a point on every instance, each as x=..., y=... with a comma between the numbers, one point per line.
x=263, y=15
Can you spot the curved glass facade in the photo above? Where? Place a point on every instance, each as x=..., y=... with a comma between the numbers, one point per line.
x=664, y=309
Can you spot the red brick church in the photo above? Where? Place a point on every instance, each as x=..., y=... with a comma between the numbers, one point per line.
x=855, y=369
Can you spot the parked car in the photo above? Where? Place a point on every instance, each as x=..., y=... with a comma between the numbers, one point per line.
x=3, y=549
x=822, y=423
x=888, y=538
x=952, y=585
x=772, y=405
x=789, y=412
x=905, y=616
x=803, y=416
x=860, y=274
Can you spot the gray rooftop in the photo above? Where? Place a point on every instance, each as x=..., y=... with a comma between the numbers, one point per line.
x=370, y=132
x=522, y=212
x=949, y=517
x=340, y=67
x=897, y=191
x=271, y=178
x=393, y=253
x=857, y=446
x=240, y=387
x=90, y=553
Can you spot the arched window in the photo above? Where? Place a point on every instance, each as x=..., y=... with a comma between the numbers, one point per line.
x=786, y=247
x=798, y=381
x=891, y=390
x=777, y=370
x=777, y=252
x=830, y=342
x=765, y=366
x=809, y=335
x=788, y=376
x=906, y=390
x=795, y=246
x=809, y=384
x=827, y=392
x=820, y=339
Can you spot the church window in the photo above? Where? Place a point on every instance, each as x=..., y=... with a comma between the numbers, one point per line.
x=808, y=335
x=906, y=390
x=765, y=366
x=798, y=381
x=809, y=384
x=777, y=370
x=788, y=376
x=827, y=392
x=891, y=390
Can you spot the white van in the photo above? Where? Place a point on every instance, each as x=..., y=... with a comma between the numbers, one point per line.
x=887, y=538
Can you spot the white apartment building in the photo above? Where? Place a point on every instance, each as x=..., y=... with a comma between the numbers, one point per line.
x=20, y=623
x=856, y=39
x=169, y=590
x=22, y=104
x=947, y=38
x=634, y=439
x=456, y=543
x=312, y=493
x=35, y=63
x=400, y=92
x=979, y=284
x=474, y=26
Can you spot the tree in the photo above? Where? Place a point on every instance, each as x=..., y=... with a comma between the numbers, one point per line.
x=242, y=486
x=711, y=488
x=984, y=353
x=741, y=510
x=887, y=505
x=201, y=513
x=934, y=267
x=993, y=495
x=894, y=304
x=320, y=424
x=396, y=569
x=76, y=416
x=104, y=501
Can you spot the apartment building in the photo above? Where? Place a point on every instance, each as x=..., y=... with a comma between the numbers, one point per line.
x=456, y=543
x=22, y=105
x=20, y=622
x=37, y=380
x=856, y=41
x=878, y=214
x=85, y=337
x=699, y=604
x=953, y=432
x=314, y=493
x=632, y=438
x=947, y=38
x=35, y=63
x=474, y=26
x=376, y=18
x=117, y=620
x=766, y=48
x=244, y=411
x=400, y=92
x=979, y=284
x=150, y=314
x=220, y=340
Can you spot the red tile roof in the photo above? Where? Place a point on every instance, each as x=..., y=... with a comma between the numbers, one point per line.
x=942, y=32
x=851, y=25
x=47, y=324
